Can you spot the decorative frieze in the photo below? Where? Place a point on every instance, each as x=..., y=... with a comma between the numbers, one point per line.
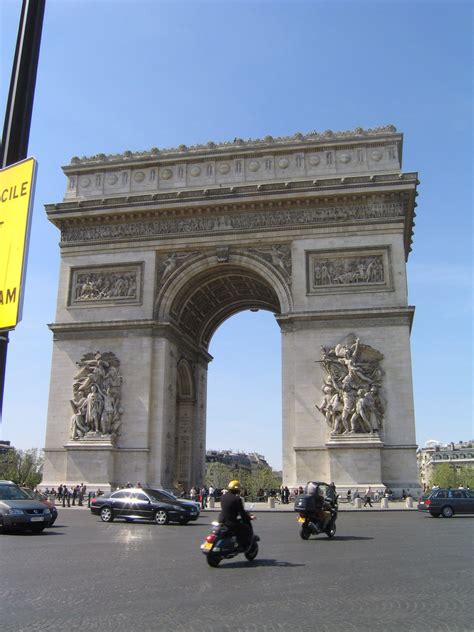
x=243, y=221
x=347, y=271
x=105, y=285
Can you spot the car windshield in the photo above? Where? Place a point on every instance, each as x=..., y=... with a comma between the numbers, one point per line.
x=12, y=492
x=168, y=494
x=160, y=496
x=31, y=494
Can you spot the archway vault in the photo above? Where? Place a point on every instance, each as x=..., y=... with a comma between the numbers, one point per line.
x=201, y=295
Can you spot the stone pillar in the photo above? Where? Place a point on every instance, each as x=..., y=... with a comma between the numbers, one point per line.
x=357, y=503
x=384, y=503
x=162, y=425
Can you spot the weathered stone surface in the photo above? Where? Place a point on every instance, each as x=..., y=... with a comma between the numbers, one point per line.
x=159, y=248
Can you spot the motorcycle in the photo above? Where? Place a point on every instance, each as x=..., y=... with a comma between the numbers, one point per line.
x=319, y=497
x=310, y=525
x=222, y=544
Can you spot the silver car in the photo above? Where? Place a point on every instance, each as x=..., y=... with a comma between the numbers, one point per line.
x=19, y=512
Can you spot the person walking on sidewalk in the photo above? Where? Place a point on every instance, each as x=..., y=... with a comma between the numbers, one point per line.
x=368, y=497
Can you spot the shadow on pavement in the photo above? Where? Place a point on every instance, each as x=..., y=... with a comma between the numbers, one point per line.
x=259, y=562
x=344, y=538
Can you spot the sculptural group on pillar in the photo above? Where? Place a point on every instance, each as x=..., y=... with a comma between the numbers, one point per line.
x=352, y=401
x=96, y=397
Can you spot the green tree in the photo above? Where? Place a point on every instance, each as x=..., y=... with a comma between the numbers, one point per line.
x=218, y=475
x=23, y=467
x=448, y=475
x=260, y=478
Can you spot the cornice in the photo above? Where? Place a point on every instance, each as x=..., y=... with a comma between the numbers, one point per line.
x=220, y=197
x=211, y=148
x=127, y=328
x=373, y=316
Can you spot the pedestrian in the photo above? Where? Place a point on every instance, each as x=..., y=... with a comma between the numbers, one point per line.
x=286, y=495
x=192, y=493
x=368, y=497
x=349, y=495
x=204, y=493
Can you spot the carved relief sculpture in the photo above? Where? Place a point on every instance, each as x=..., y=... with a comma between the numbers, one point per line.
x=97, y=285
x=279, y=256
x=352, y=401
x=96, y=398
x=171, y=262
x=348, y=271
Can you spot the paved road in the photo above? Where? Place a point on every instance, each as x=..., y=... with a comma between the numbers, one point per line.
x=382, y=571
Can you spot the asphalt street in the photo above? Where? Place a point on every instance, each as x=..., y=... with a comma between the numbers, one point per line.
x=382, y=571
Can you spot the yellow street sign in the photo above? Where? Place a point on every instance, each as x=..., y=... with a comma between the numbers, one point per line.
x=17, y=184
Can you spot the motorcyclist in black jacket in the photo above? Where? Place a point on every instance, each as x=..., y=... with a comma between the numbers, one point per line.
x=234, y=516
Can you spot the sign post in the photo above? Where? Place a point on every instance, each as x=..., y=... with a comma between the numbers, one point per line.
x=16, y=128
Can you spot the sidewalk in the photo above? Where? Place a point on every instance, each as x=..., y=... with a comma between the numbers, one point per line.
x=280, y=508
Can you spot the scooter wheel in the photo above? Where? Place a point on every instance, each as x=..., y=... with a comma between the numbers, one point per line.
x=252, y=554
x=331, y=531
x=213, y=560
x=305, y=533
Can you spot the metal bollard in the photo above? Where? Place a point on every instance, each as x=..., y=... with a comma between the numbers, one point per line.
x=409, y=502
x=212, y=502
x=384, y=503
x=271, y=503
x=357, y=503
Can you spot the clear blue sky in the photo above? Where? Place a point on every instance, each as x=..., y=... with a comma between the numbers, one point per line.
x=131, y=75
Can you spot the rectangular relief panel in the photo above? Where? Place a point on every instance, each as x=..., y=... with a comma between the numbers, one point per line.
x=106, y=285
x=354, y=270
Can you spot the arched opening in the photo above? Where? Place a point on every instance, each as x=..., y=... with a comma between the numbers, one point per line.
x=198, y=303
x=244, y=405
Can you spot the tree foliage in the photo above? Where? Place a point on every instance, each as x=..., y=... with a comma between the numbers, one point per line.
x=23, y=467
x=218, y=475
x=448, y=475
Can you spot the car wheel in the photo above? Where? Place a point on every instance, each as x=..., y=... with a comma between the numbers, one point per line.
x=447, y=512
x=38, y=528
x=305, y=533
x=213, y=560
x=161, y=517
x=106, y=514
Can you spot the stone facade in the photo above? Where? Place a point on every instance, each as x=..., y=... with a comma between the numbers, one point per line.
x=159, y=248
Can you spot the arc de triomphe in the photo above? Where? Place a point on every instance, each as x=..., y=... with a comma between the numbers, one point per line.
x=159, y=248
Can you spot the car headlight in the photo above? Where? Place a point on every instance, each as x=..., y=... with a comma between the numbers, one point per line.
x=15, y=512
x=46, y=512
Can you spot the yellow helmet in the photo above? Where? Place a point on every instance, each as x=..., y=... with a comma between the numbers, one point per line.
x=234, y=486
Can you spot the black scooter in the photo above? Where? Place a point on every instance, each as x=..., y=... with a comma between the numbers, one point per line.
x=310, y=525
x=221, y=544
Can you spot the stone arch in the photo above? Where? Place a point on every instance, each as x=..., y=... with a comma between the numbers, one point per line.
x=185, y=390
x=204, y=292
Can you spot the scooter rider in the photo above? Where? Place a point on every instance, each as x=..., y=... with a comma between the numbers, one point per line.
x=234, y=516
